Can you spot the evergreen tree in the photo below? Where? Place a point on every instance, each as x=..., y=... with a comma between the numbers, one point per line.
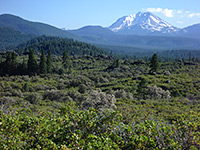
x=49, y=62
x=10, y=63
x=22, y=68
x=142, y=85
x=66, y=61
x=154, y=64
x=190, y=57
x=193, y=59
x=32, y=63
x=14, y=57
x=43, y=64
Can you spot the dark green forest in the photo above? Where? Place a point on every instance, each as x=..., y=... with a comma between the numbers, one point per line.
x=10, y=38
x=63, y=94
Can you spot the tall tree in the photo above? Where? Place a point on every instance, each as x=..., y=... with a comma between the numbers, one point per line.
x=142, y=85
x=49, y=62
x=190, y=57
x=66, y=60
x=154, y=64
x=43, y=64
x=32, y=63
x=22, y=68
x=10, y=63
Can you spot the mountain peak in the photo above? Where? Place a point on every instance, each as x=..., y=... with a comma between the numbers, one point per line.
x=142, y=23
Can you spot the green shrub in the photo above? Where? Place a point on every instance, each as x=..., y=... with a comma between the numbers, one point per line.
x=34, y=98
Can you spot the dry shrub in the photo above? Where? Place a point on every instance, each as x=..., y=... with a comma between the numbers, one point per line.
x=99, y=100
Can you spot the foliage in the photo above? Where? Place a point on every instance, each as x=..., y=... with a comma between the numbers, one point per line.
x=43, y=64
x=154, y=64
x=58, y=45
x=90, y=129
x=32, y=63
x=66, y=61
x=49, y=62
x=10, y=38
x=145, y=111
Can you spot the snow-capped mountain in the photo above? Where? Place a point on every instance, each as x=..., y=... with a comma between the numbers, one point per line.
x=142, y=24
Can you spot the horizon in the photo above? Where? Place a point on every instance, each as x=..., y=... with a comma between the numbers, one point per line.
x=63, y=14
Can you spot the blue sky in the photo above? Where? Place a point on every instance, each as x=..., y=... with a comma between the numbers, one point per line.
x=73, y=14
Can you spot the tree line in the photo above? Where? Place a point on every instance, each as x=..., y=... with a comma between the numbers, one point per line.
x=58, y=45
x=31, y=67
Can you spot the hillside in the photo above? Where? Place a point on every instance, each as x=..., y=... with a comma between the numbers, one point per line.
x=191, y=31
x=9, y=38
x=29, y=27
x=58, y=45
x=100, y=36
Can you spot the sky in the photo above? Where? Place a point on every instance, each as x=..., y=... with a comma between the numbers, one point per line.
x=74, y=14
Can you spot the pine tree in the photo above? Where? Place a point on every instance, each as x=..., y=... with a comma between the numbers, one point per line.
x=49, y=62
x=66, y=60
x=190, y=57
x=154, y=64
x=14, y=57
x=23, y=67
x=142, y=85
x=43, y=64
x=32, y=63
x=10, y=63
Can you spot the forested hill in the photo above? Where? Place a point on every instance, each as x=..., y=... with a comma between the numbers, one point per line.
x=29, y=27
x=10, y=37
x=58, y=45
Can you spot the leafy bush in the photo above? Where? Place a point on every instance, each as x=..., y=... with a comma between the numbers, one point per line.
x=16, y=93
x=82, y=88
x=7, y=100
x=54, y=95
x=123, y=94
x=91, y=129
x=157, y=92
x=34, y=98
x=41, y=87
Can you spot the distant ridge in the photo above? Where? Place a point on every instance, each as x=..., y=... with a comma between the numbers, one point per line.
x=9, y=38
x=36, y=28
x=140, y=31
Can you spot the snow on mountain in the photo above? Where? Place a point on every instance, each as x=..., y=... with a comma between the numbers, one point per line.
x=142, y=23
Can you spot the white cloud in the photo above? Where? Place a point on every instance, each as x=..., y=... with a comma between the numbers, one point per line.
x=168, y=12
x=173, y=12
x=154, y=9
x=179, y=11
x=194, y=15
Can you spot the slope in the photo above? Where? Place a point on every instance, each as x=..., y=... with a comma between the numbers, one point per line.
x=28, y=27
x=102, y=36
x=191, y=31
x=58, y=45
x=142, y=24
x=10, y=38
